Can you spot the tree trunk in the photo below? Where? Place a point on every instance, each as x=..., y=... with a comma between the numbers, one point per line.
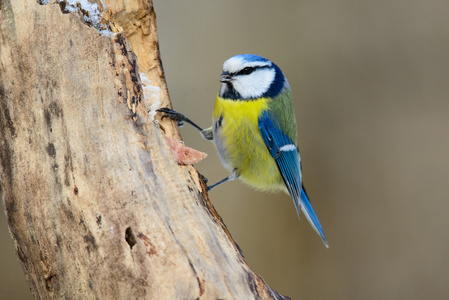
x=96, y=203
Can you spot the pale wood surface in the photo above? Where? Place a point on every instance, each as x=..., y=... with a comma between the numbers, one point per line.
x=96, y=204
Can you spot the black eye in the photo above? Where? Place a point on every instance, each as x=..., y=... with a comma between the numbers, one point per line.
x=246, y=71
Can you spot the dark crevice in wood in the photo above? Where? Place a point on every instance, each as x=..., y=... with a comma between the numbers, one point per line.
x=129, y=237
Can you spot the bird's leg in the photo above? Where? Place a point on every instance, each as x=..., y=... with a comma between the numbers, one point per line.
x=231, y=176
x=209, y=187
x=180, y=119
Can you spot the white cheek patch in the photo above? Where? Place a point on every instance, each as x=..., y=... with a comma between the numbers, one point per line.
x=255, y=84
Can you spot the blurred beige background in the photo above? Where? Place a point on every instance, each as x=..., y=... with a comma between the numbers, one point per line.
x=370, y=81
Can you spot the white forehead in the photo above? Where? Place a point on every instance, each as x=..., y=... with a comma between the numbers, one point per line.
x=237, y=63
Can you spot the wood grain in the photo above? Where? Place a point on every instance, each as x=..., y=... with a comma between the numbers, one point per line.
x=96, y=204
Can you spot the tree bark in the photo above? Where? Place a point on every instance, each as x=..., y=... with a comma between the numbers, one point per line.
x=96, y=203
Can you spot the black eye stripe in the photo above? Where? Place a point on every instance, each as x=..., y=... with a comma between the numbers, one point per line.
x=248, y=70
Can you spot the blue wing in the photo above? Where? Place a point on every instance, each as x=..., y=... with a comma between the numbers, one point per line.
x=286, y=154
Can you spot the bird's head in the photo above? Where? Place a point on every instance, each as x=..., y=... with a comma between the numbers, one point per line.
x=249, y=76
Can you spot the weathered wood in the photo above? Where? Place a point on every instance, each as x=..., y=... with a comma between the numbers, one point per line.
x=95, y=202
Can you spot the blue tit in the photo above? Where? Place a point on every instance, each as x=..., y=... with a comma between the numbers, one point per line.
x=254, y=130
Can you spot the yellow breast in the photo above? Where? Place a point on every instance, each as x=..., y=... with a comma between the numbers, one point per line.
x=240, y=145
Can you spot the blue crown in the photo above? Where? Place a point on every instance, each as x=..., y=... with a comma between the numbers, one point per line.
x=252, y=57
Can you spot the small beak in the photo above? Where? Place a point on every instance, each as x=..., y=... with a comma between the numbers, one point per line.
x=225, y=77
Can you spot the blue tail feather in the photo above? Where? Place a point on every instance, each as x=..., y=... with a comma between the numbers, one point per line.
x=311, y=216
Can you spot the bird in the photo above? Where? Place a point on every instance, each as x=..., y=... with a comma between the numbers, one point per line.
x=254, y=130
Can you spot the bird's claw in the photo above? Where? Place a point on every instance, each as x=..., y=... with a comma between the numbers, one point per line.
x=203, y=178
x=174, y=115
